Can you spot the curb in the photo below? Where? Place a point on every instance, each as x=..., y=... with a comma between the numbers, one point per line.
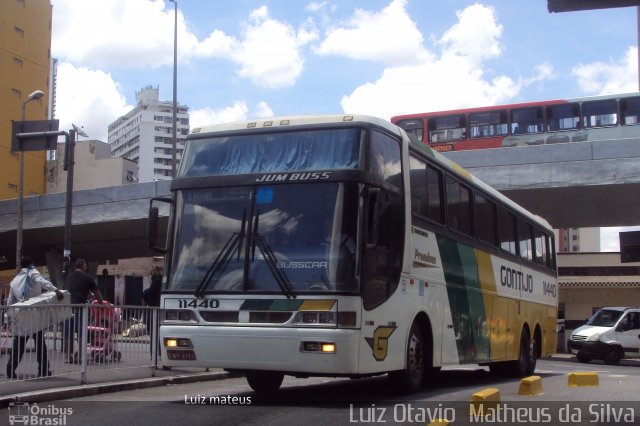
x=100, y=388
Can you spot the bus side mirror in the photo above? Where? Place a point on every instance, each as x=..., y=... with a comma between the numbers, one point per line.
x=373, y=217
x=153, y=224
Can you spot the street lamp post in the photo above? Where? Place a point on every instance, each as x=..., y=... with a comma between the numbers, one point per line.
x=33, y=96
x=174, y=140
x=69, y=165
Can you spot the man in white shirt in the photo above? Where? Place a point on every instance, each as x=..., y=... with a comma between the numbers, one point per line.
x=29, y=283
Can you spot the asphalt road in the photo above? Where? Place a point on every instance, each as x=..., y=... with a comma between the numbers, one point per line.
x=321, y=401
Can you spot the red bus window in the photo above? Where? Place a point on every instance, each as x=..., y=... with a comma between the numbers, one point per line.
x=600, y=113
x=527, y=121
x=487, y=124
x=413, y=128
x=563, y=117
x=448, y=128
x=630, y=111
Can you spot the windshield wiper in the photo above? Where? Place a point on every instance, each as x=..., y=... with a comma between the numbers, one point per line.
x=272, y=262
x=224, y=257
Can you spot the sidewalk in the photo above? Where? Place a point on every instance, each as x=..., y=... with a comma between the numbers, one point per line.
x=64, y=387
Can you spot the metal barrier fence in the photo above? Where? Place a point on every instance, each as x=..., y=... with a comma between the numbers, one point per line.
x=58, y=340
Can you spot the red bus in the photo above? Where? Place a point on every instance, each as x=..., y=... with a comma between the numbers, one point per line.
x=532, y=123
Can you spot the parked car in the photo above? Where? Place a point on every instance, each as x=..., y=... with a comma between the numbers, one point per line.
x=137, y=328
x=611, y=334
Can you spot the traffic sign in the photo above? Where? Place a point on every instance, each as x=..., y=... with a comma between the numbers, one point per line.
x=34, y=143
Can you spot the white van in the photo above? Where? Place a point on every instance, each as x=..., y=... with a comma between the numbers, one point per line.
x=610, y=334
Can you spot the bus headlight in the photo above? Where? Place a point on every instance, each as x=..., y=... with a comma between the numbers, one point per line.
x=315, y=318
x=341, y=319
x=321, y=347
x=179, y=315
x=174, y=342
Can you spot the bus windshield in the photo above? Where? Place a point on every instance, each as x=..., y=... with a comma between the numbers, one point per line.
x=282, y=238
x=318, y=149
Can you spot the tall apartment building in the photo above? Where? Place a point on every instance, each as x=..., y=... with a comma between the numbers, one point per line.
x=25, y=63
x=144, y=135
x=578, y=240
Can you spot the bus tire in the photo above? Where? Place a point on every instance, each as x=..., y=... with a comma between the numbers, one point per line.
x=410, y=379
x=523, y=365
x=265, y=381
x=533, y=355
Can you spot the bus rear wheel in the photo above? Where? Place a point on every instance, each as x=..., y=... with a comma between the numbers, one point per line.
x=409, y=380
x=265, y=381
x=524, y=365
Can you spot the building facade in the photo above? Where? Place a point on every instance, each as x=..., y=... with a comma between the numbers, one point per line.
x=589, y=281
x=25, y=63
x=93, y=168
x=578, y=240
x=144, y=135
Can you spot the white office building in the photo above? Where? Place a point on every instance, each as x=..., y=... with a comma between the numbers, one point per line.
x=144, y=135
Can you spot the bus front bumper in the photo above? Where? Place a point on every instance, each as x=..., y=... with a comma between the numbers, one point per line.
x=283, y=349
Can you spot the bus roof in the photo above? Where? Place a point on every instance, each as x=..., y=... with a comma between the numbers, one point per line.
x=512, y=106
x=298, y=120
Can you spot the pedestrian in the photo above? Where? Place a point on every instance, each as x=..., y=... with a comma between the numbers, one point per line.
x=151, y=298
x=26, y=284
x=79, y=284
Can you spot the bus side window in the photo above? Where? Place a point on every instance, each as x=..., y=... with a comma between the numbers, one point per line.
x=524, y=240
x=459, y=215
x=630, y=111
x=507, y=230
x=383, y=260
x=486, y=220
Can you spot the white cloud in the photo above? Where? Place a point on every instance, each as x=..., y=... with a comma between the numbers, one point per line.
x=238, y=111
x=454, y=79
x=139, y=33
x=263, y=110
x=389, y=36
x=475, y=36
x=88, y=98
x=129, y=33
x=269, y=53
x=612, y=77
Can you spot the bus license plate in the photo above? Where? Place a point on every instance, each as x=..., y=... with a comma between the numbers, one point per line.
x=181, y=355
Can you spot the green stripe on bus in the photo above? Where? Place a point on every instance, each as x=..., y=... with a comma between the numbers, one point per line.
x=465, y=300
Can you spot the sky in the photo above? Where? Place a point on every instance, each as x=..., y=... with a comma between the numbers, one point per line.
x=246, y=59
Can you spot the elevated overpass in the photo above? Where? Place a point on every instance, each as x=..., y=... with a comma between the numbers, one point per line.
x=577, y=184
x=572, y=185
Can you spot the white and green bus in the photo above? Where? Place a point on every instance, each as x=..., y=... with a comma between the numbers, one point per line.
x=336, y=246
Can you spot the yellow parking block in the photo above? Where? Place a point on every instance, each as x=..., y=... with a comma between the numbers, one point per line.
x=583, y=378
x=484, y=400
x=531, y=385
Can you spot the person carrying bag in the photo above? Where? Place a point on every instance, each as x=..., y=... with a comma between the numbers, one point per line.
x=28, y=283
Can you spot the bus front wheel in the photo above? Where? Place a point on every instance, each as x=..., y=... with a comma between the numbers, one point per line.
x=265, y=381
x=409, y=380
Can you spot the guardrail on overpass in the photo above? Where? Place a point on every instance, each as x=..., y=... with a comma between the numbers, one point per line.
x=108, y=223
